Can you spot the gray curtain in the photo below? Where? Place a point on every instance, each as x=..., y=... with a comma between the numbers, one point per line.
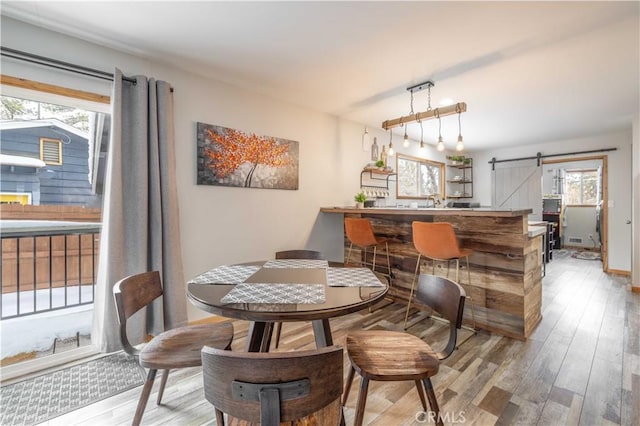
x=140, y=210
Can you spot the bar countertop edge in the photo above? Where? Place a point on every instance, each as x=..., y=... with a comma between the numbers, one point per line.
x=430, y=212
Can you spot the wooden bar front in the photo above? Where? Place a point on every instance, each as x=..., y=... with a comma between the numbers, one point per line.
x=506, y=268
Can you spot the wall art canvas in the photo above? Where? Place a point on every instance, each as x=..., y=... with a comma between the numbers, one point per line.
x=230, y=157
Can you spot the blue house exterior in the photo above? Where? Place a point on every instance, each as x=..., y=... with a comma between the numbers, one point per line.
x=47, y=161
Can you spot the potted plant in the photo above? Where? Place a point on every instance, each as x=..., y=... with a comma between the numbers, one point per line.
x=360, y=198
x=380, y=164
x=458, y=160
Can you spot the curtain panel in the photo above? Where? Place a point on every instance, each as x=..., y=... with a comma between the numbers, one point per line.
x=140, y=212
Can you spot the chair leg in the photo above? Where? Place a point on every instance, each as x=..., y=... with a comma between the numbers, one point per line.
x=473, y=313
x=386, y=247
x=421, y=394
x=163, y=383
x=373, y=266
x=278, y=331
x=349, y=254
x=144, y=397
x=219, y=418
x=413, y=284
x=362, y=400
x=347, y=388
x=433, y=402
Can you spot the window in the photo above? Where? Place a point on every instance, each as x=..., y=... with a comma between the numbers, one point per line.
x=419, y=178
x=51, y=151
x=581, y=187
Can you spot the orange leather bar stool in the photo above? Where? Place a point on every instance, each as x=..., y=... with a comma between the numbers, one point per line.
x=360, y=233
x=438, y=242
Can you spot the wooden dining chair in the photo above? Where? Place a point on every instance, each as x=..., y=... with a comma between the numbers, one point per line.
x=301, y=387
x=176, y=348
x=294, y=254
x=397, y=356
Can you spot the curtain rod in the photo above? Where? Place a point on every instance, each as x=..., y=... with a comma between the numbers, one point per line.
x=61, y=65
x=539, y=156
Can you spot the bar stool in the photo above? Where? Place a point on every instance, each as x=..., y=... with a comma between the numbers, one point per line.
x=438, y=242
x=360, y=233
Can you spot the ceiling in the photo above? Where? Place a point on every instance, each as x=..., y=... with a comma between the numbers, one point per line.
x=529, y=71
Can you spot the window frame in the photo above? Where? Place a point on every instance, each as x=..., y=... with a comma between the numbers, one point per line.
x=581, y=191
x=421, y=162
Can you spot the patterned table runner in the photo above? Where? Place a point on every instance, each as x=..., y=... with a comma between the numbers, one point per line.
x=296, y=263
x=352, y=277
x=276, y=293
x=226, y=274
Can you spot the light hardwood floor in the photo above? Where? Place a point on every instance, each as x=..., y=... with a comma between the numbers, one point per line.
x=581, y=366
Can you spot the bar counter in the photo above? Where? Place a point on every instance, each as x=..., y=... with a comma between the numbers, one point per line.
x=506, y=264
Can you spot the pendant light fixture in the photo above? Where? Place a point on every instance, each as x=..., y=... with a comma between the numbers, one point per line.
x=459, y=144
x=366, y=140
x=390, y=153
x=429, y=114
x=440, y=145
x=422, y=147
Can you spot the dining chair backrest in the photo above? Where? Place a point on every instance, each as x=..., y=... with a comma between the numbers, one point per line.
x=446, y=297
x=299, y=254
x=132, y=294
x=274, y=387
x=359, y=231
x=435, y=240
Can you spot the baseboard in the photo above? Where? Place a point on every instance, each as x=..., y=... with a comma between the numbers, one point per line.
x=619, y=272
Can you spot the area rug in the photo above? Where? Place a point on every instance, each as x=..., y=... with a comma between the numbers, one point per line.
x=44, y=397
x=587, y=255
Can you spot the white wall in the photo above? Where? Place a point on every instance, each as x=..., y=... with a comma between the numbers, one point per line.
x=223, y=225
x=619, y=183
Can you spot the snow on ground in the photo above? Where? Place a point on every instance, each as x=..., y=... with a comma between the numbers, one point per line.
x=36, y=332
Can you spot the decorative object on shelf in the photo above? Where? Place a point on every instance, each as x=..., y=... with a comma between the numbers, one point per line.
x=366, y=140
x=360, y=198
x=383, y=156
x=230, y=157
x=429, y=114
x=380, y=164
x=374, y=149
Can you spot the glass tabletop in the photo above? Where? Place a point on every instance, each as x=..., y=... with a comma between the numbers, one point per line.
x=338, y=299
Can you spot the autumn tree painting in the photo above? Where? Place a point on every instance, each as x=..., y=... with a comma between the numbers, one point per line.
x=234, y=158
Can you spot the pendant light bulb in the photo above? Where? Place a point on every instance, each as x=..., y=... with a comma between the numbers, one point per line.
x=440, y=146
x=422, y=147
x=406, y=139
x=390, y=143
x=459, y=144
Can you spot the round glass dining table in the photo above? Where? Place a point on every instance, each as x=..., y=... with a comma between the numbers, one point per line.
x=290, y=293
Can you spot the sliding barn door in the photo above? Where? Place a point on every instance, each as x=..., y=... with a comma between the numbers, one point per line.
x=518, y=185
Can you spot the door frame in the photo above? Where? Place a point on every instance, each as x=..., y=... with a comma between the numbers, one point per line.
x=605, y=200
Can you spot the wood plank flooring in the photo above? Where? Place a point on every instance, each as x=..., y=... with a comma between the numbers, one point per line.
x=581, y=366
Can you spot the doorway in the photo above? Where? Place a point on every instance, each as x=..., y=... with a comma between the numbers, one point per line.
x=581, y=186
